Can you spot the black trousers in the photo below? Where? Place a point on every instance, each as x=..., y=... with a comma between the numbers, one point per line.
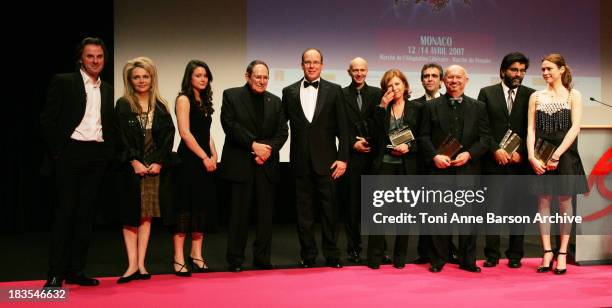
x=351, y=205
x=505, y=202
x=317, y=191
x=260, y=191
x=79, y=172
x=440, y=249
x=377, y=243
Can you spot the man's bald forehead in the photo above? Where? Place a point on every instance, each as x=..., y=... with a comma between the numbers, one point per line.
x=358, y=61
x=455, y=68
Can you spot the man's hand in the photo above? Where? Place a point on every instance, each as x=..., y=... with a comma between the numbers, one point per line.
x=501, y=157
x=261, y=150
x=461, y=159
x=361, y=145
x=442, y=161
x=516, y=158
x=339, y=168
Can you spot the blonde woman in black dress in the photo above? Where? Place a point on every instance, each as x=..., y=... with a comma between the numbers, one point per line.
x=147, y=135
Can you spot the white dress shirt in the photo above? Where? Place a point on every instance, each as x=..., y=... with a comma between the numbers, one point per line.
x=308, y=99
x=90, y=128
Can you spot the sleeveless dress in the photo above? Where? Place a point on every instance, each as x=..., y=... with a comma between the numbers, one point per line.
x=552, y=121
x=196, y=200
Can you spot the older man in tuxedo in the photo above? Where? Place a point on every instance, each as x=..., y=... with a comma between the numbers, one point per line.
x=506, y=103
x=78, y=128
x=466, y=120
x=316, y=113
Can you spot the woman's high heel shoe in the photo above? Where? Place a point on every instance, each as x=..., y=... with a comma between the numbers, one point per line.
x=195, y=267
x=545, y=269
x=179, y=273
x=561, y=271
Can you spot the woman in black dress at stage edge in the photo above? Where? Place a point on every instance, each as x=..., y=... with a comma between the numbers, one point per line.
x=147, y=135
x=195, y=193
x=554, y=117
x=394, y=112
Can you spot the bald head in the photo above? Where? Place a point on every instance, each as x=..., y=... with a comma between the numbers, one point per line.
x=358, y=70
x=455, y=79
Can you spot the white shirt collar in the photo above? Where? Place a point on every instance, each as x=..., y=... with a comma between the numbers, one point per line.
x=88, y=80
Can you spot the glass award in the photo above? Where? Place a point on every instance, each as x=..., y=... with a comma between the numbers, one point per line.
x=401, y=135
x=449, y=147
x=544, y=150
x=511, y=142
x=362, y=130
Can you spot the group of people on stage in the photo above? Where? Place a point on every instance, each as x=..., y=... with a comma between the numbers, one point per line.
x=84, y=131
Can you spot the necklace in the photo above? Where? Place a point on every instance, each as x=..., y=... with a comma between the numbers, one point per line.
x=143, y=120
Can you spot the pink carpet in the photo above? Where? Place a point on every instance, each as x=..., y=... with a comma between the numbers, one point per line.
x=352, y=286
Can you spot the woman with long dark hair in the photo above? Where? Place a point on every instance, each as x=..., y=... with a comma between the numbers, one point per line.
x=195, y=182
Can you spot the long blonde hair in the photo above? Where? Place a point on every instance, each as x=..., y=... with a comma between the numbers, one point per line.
x=129, y=92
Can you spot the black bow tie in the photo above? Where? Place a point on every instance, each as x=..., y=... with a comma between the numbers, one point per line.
x=314, y=84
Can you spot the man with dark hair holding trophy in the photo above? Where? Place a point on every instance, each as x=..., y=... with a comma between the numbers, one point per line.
x=506, y=104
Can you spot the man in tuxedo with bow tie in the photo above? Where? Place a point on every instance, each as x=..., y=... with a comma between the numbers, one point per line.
x=255, y=130
x=465, y=119
x=317, y=116
x=507, y=103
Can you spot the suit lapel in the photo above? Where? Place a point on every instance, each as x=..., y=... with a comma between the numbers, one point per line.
x=501, y=98
x=79, y=89
x=352, y=98
x=295, y=93
x=248, y=106
x=323, y=89
x=468, y=116
x=443, y=115
x=267, y=107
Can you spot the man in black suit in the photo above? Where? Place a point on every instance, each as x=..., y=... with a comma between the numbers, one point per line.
x=466, y=120
x=78, y=128
x=360, y=102
x=255, y=130
x=315, y=109
x=431, y=79
x=507, y=103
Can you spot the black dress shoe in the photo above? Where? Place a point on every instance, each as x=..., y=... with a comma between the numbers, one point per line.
x=514, y=263
x=126, y=279
x=374, y=266
x=435, y=268
x=470, y=268
x=82, y=280
x=490, y=262
x=333, y=263
x=453, y=260
x=146, y=276
x=354, y=257
x=263, y=266
x=420, y=260
x=234, y=268
x=53, y=282
x=386, y=260
x=399, y=265
x=307, y=263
